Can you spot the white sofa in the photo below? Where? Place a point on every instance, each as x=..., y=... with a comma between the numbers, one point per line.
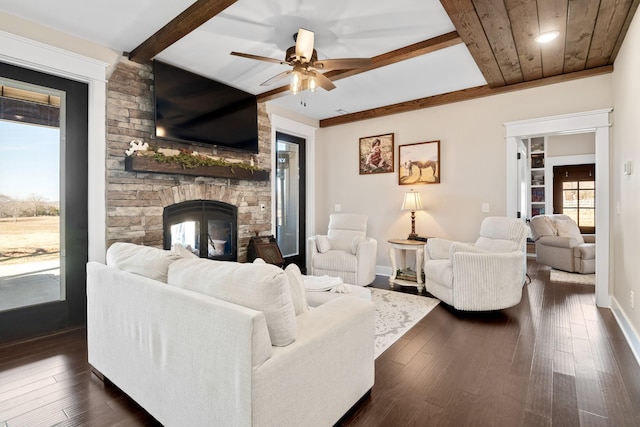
x=220, y=343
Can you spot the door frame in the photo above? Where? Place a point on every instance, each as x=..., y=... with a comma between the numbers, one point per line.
x=33, y=320
x=308, y=133
x=300, y=258
x=34, y=55
x=590, y=121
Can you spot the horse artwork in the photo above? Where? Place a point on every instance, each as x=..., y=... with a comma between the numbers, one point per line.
x=419, y=163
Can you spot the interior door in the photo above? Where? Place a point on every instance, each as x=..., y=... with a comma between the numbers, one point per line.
x=43, y=202
x=522, y=179
x=290, y=198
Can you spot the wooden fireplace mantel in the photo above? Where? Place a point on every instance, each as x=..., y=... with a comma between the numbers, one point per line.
x=145, y=164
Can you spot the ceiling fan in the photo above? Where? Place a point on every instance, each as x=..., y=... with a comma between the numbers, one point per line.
x=303, y=59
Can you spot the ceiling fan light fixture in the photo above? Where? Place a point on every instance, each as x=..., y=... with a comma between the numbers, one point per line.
x=313, y=83
x=296, y=82
x=547, y=36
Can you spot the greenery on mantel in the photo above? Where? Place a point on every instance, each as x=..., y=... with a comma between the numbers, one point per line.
x=188, y=159
x=151, y=159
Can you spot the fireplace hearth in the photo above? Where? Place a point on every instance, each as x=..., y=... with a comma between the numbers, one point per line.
x=206, y=227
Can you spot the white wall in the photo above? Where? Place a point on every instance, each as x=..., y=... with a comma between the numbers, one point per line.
x=571, y=145
x=626, y=188
x=472, y=154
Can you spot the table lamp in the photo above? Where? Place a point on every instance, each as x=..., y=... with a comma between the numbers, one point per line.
x=412, y=203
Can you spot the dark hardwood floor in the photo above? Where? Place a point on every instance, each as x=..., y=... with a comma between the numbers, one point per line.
x=555, y=359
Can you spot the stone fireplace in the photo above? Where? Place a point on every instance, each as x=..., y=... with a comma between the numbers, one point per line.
x=137, y=201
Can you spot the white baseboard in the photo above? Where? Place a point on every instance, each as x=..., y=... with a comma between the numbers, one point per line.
x=632, y=336
x=383, y=270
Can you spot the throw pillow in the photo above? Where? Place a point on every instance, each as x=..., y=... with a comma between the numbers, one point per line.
x=322, y=244
x=259, y=261
x=298, y=292
x=355, y=242
x=568, y=228
x=145, y=261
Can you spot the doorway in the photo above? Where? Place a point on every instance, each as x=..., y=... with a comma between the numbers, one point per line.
x=590, y=121
x=290, y=205
x=43, y=143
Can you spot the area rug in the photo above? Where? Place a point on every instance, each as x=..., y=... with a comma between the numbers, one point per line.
x=396, y=313
x=581, y=279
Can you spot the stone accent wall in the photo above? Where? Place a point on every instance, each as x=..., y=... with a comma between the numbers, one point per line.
x=135, y=200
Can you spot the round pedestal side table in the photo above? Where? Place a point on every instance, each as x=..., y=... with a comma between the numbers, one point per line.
x=406, y=276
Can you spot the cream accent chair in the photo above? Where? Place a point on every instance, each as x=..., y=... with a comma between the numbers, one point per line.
x=345, y=251
x=560, y=245
x=487, y=275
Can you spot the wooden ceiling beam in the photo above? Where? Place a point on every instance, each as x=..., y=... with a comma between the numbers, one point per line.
x=625, y=27
x=392, y=57
x=552, y=15
x=523, y=16
x=191, y=18
x=611, y=21
x=458, y=96
x=464, y=17
x=497, y=28
x=580, y=24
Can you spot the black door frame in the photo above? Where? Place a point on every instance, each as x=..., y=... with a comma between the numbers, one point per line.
x=57, y=315
x=583, y=172
x=299, y=259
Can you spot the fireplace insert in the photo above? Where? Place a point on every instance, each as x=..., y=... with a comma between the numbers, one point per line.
x=207, y=228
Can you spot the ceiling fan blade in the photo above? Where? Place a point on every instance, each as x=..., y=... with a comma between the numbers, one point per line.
x=276, y=78
x=324, y=82
x=342, y=64
x=304, y=44
x=259, y=58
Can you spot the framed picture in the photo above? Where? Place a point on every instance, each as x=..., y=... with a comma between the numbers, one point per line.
x=376, y=154
x=270, y=253
x=419, y=163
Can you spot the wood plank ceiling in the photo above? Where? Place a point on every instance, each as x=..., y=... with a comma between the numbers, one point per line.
x=500, y=35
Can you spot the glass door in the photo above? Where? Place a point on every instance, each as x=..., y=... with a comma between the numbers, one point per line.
x=43, y=202
x=30, y=197
x=290, y=198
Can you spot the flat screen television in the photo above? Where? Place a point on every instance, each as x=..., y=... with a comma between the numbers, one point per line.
x=194, y=109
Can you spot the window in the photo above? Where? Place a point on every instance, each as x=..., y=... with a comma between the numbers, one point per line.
x=575, y=194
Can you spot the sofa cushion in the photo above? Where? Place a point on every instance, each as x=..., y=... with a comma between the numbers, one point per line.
x=568, y=228
x=298, y=292
x=145, y=261
x=336, y=261
x=262, y=287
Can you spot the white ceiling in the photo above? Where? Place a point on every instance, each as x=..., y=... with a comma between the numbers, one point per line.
x=354, y=28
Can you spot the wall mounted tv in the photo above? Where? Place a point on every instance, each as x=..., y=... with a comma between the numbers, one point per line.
x=194, y=109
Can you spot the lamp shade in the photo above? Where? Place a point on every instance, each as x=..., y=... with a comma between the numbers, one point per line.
x=412, y=202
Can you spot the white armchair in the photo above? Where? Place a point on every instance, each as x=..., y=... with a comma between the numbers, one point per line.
x=487, y=275
x=345, y=251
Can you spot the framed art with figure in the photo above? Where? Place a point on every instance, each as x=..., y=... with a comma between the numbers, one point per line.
x=376, y=154
x=419, y=163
